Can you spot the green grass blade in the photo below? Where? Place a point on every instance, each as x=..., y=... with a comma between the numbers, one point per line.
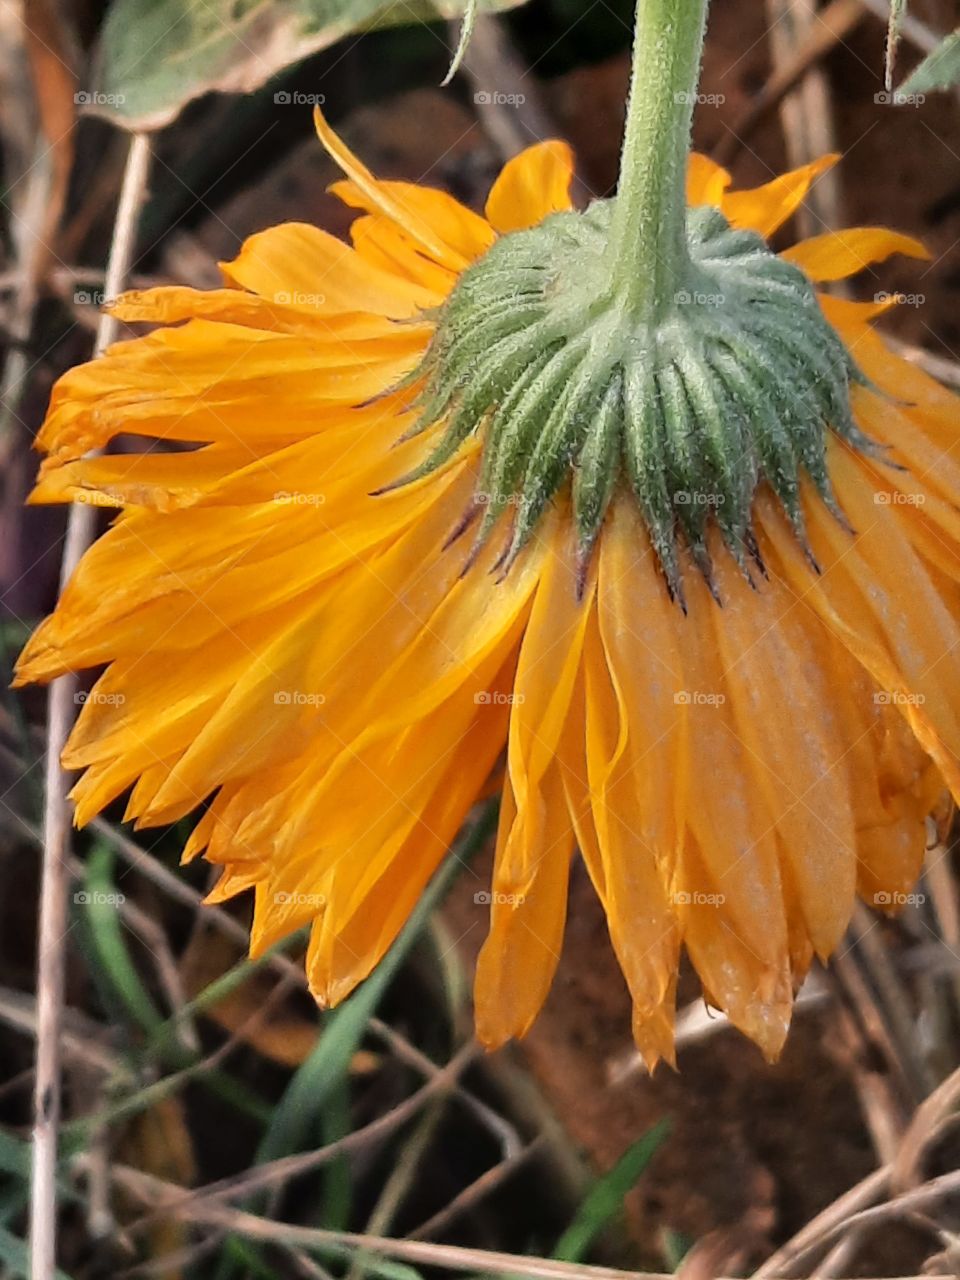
x=344, y=1028
x=605, y=1200
x=108, y=953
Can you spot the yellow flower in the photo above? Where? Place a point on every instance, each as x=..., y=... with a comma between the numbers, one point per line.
x=294, y=637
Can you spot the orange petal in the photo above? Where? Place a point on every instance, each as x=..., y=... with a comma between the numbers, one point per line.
x=858, y=598
x=706, y=181
x=297, y=261
x=764, y=209
x=780, y=672
x=292, y=313
x=204, y=381
x=441, y=225
x=531, y=186
x=622, y=775
x=843, y=253
x=733, y=910
x=519, y=958
x=382, y=243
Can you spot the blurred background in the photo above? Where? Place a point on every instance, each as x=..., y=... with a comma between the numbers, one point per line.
x=215, y=1125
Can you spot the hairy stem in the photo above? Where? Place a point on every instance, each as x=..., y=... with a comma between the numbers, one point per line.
x=647, y=251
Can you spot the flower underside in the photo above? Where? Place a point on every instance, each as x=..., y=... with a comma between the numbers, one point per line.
x=734, y=380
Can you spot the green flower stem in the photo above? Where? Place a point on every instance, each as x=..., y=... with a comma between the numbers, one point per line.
x=647, y=250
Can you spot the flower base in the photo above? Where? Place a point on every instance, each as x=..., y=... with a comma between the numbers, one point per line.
x=732, y=380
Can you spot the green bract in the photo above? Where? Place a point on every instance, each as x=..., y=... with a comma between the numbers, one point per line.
x=735, y=379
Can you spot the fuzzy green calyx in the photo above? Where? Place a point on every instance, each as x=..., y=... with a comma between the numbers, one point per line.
x=735, y=381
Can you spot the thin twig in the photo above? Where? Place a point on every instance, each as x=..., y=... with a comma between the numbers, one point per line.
x=897, y=1209
x=476, y=1191
x=924, y=1129
x=57, y=814
x=280, y=1171
x=840, y=1256
x=834, y=23
x=425, y=1253
x=866, y=1192
x=32, y=254
x=178, y=889
x=806, y=113
x=942, y=368
x=402, y=1178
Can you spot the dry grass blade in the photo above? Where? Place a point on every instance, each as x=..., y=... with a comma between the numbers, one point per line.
x=181, y=892
x=276, y=1173
x=38, y=36
x=476, y=1191
x=57, y=815
x=834, y=23
x=507, y=103
x=423, y=1253
x=923, y=1131
x=807, y=112
x=864, y=1194
x=942, y=368
x=902, y=1207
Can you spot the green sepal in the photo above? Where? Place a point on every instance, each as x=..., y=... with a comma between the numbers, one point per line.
x=737, y=382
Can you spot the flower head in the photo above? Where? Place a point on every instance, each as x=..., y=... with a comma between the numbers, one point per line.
x=294, y=632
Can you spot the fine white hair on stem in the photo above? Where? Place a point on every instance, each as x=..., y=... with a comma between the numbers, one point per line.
x=57, y=813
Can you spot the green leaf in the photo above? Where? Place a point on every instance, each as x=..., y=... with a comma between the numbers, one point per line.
x=14, y=1202
x=605, y=1199
x=15, y=1164
x=157, y=55
x=14, y=1156
x=466, y=31
x=939, y=70
x=16, y=1257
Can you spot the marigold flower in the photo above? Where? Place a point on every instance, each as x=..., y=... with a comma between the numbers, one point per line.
x=293, y=631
